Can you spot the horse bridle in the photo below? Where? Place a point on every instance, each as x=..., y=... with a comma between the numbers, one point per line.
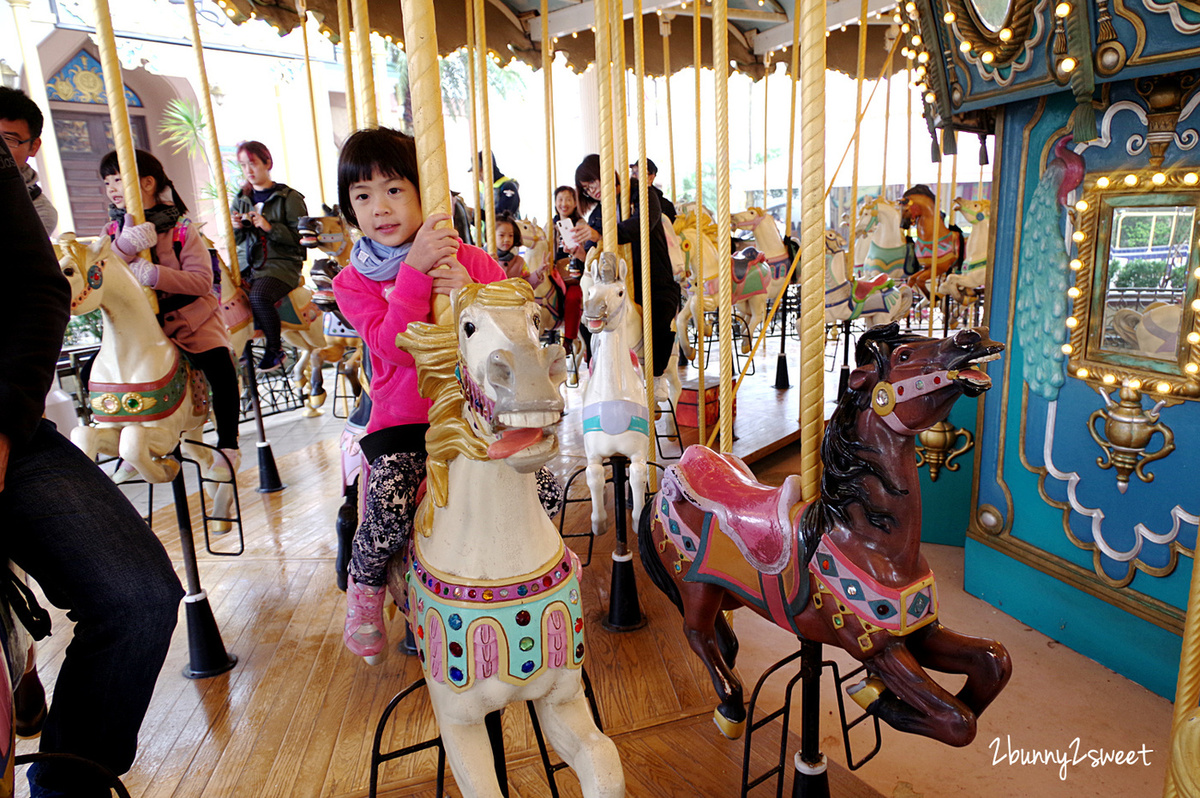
x=885, y=396
x=93, y=279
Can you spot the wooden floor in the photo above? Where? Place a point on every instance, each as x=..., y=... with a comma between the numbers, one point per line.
x=297, y=714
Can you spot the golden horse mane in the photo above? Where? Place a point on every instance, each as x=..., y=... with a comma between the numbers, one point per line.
x=699, y=222
x=434, y=347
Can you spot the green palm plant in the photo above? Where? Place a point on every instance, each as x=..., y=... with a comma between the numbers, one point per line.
x=184, y=129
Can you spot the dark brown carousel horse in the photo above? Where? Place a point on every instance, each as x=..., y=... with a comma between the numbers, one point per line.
x=845, y=570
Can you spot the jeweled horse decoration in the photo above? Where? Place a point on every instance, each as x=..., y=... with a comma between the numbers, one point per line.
x=492, y=592
x=967, y=286
x=144, y=395
x=887, y=248
x=845, y=570
x=877, y=300
x=616, y=420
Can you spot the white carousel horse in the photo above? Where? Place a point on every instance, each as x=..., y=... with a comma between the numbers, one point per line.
x=616, y=420
x=143, y=394
x=876, y=300
x=698, y=235
x=966, y=287
x=879, y=220
x=769, y=242
x=492, y=592
x=548, y=293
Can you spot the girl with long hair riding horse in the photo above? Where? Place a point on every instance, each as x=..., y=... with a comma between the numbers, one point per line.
x=180, y=271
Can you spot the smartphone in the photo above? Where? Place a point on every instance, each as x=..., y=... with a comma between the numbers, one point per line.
x=567, y=231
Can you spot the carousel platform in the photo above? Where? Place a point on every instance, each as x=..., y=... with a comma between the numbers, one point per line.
x=296, y=716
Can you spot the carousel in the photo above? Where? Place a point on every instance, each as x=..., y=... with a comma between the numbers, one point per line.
x=769, y=568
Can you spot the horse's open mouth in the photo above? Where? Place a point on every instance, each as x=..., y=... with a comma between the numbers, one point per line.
x=524, y=432
x=973, y=381
x=308, y=239
x=595, y=324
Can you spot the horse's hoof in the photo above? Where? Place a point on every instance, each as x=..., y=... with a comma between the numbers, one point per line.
x=375, y=659
x=317, y=399
x=866, y=692
x=310, y=412
x=732, y=729
x=220, y=527
x=125, y=472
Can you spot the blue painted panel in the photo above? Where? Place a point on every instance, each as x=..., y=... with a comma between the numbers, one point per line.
x=946, y=504
x=1008, y=473
x=1137, y=650
x=82, y=81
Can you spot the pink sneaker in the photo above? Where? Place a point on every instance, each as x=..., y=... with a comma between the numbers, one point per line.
x=364, y=634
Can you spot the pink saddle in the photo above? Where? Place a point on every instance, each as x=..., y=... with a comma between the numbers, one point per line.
x=865, y=286
x=756, y=517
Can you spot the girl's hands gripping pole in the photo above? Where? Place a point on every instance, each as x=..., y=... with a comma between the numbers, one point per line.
x=435, y=252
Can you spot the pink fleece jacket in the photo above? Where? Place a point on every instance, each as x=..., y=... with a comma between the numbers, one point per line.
x=379, y=311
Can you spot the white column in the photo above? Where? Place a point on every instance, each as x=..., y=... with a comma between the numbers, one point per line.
x=50, y=173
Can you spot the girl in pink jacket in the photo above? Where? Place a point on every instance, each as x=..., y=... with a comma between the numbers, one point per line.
x=391, y=283
x=181, y=272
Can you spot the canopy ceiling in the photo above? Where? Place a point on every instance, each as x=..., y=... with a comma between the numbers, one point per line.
x=514, y=30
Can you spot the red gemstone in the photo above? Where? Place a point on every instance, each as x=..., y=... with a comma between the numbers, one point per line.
x=547, y=581
x=579, y=624
x=421, y=632
x=900, y=390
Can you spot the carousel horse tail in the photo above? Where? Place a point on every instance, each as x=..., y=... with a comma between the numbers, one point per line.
x=650, y=560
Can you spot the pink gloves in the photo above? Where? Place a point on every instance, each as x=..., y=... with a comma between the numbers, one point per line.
x=134, y=238
x=144, y=271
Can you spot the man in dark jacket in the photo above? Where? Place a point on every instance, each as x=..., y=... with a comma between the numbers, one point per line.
x=507, y=190
x=65, y=522
x=668, y=207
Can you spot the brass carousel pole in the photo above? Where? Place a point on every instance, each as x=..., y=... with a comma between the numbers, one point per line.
x=698, y=268
x=1184, y=767
x=366, y=87
x=620, y=111
x=420, y=45
x=485, y=168
x=720, y=33
x=302, y=10
x=858, y=113
x=795, y=68
x=766, y=124
x=548, y=90
x=474, y=120
x=664, y=30
x=812, y=778
x=118, y=114
x=608, y=199
x=346, y=39
x=639, y=71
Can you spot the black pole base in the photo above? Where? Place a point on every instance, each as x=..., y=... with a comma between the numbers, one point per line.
x=268, y=473
x=624, y=614
x=206, y=653
x=781, y=373
x=811, y=780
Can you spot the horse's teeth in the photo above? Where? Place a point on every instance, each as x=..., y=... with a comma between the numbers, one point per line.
x=531, y=418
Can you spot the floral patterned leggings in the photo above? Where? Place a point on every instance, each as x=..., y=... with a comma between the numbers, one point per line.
x=390, y=507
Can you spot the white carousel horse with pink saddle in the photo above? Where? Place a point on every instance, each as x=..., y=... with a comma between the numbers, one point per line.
x=491, y=590
x=144, y=396
x=751, y=277
x=876, y=300
x=769, y=242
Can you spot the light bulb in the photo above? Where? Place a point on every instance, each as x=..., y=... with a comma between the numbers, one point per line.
x=1102, y=183
x=1081, y=206
x=1131, y=180
x=1067, y=64
x=987, y=57
x=1062, y=9
x=1158, y=179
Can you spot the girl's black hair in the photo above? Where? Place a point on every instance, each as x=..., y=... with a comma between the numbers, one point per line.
x=147, y=166
x=588, y=170
x=381, y=149
x=506, y=216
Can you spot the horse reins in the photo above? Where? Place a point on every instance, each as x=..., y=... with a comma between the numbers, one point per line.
x=885, y=396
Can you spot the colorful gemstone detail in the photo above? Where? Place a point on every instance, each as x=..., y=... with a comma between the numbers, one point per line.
x=455, y=622
x=527, y=667
x=523, y=618
x=456, y=674
x=574, y=596
x=526, y=643
x=579, y=651
x=456, y=649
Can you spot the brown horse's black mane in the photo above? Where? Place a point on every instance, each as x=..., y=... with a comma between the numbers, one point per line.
x=843, y=482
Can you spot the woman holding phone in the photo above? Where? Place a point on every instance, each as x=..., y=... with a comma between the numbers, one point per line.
x=266, y=219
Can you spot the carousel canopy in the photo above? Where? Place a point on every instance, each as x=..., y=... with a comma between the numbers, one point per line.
x=759, y=29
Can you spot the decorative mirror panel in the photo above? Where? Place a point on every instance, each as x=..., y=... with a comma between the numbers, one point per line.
x=1135, y=297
